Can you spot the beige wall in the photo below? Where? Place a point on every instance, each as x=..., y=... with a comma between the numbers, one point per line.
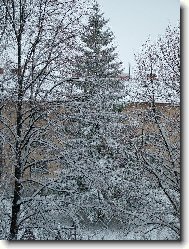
x=136, y=118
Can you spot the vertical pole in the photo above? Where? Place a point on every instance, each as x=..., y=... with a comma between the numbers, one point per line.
x=129, y=71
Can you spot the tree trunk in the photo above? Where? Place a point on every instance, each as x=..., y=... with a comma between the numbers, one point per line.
x=17, y=174
x=16, y=204
x=15, y=211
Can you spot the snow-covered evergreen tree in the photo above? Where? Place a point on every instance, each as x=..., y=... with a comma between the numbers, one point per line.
x=98, y=57
x=92, y=126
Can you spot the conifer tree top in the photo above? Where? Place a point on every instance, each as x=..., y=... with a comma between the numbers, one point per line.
x=98, y=54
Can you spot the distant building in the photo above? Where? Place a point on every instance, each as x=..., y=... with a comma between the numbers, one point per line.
x=124, y=76
x=152, y=76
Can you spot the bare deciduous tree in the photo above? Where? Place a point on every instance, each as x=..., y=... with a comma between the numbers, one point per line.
x=159, y=78
x=37, y=40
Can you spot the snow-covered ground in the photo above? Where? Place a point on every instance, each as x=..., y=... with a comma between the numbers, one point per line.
x=86, y=230
x=145, y=233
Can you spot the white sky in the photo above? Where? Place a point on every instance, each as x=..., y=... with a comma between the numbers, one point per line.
x=133, y=21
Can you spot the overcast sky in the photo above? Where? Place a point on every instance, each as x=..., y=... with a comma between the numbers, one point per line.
x=132, y=21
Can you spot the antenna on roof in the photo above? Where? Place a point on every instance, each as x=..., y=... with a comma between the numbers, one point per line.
x=129, y=71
